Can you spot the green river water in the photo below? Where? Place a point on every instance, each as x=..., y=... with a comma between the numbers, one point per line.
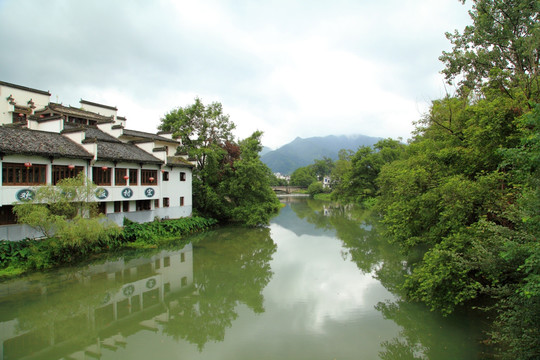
x=318, y=283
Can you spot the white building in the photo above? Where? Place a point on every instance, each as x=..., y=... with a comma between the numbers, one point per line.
x=139, y=175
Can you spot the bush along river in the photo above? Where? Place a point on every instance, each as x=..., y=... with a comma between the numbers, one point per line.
x=318, y=283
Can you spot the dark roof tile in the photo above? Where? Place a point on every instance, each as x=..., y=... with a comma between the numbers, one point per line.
x=179, y=161
x=115, y=151
x=76, y=112
x=145, y=135
x=34, y=142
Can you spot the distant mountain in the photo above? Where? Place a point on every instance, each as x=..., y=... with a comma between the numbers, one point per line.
x=265, y=150
x=301, y=152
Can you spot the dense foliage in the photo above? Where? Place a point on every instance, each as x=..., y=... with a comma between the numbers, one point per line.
x=67, y=211
x=230, y=182
x=50, y=252
x=353, y=176
x=462, y=200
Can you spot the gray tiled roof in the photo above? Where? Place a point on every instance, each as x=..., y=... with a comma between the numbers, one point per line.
x=110, y=148
x=90, y=132
x=145, y=135
x=34, y=142
x=178, y=161
x=118, y=151
x=76, y=112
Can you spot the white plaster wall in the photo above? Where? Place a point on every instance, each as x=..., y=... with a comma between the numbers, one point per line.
x=55, y=126
x=99, y=110
x=146, y=146
x=174, y=188
x=17, y=232
x=76, y=137
x=21, y=97
x=149, y=215
x=107, y=128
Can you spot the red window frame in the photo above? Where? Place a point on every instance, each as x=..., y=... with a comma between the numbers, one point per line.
x=101, y=176
x=60, y=172
x=146, y=174
x=119, y=174
x=14, y=174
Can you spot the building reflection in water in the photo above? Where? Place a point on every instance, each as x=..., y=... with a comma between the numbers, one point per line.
x=91, y=309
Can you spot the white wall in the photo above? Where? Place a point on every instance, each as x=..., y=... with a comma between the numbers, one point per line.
x=21, y=98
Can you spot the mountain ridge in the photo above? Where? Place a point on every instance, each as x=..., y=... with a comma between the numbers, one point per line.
x=303, y=151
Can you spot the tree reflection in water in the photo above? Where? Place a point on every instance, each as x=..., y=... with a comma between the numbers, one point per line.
x=231, y=267
x=424, y=334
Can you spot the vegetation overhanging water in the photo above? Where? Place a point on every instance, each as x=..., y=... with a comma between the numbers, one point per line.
x=319, y=283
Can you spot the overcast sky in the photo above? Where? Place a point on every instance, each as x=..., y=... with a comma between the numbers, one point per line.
x=288, y=68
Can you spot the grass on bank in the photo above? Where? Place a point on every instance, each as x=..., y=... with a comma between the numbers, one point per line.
x=18, y=257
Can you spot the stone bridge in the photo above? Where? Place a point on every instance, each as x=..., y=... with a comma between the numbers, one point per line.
x=287, y=189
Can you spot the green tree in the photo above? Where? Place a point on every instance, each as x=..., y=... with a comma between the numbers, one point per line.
x=230, y=182
x=315, y=188
x=501, y=48
x=303, y=176
x=200, y=129
x=322, y=167
x=342, y=166
x=355, y=179
x=247, y=190
x=68, y=212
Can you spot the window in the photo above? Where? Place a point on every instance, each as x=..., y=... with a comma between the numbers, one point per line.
x=166, y=261
x=181, y=201
x=18, y=117
x=165, y=176
x=120, y=176
x=23, y=174
x=133, y=178
x=182, y=176
x=182, y=257
x=60, y=172
x=156, y=203
x=142, y=205
x=148, y=177
x=6, y=215
x=101, y=175
x=165, y=202
x=117, y=206
x=125, y=206
x=102, y=208
x=183, y=281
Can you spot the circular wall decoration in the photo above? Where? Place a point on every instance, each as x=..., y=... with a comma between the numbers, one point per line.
x=129, y=290
x=106, y=299
x=102, y=193
x=25, y=195
x=151, y=283
x=149, y=192
x=127, y=193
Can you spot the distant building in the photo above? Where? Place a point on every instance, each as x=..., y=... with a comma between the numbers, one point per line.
x=282, y=177
x=139, y=175
x=326, y=182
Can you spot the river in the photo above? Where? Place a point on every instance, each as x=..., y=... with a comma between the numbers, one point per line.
x=318, y=283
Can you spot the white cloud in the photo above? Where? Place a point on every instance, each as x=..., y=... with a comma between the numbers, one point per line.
x=288, y=68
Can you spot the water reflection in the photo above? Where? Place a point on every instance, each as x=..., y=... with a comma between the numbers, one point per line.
x=319, y=283
x=87, y=312
x=77, y=312
x=231, y=268
x=434, y=337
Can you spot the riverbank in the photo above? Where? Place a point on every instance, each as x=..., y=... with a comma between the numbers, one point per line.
x=19, y=257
